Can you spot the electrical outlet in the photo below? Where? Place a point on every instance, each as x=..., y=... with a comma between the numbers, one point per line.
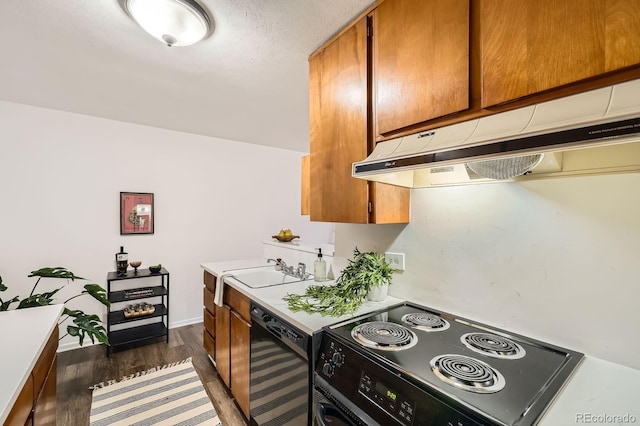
x=396, y=260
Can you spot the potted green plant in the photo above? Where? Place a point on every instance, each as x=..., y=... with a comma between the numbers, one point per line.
x=83, y=324
x=367, y=275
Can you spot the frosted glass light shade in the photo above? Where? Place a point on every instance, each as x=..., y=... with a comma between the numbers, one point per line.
x=173, y=22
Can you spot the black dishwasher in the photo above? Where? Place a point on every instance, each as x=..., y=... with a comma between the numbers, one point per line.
x=280, y=371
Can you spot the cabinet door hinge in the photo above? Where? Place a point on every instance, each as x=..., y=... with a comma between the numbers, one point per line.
x=369, y=207
x=369, y=31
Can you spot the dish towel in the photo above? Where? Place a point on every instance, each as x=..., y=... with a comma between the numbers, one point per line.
x=218, y=298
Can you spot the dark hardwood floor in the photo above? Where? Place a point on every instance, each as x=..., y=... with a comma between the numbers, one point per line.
x=81, y=368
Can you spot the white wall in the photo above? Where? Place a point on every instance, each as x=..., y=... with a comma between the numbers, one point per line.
x=60, y=179
x=557, y=260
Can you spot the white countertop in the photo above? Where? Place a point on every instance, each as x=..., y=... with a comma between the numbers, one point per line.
x=599, y=392
x=24, y=335
x=271, y=297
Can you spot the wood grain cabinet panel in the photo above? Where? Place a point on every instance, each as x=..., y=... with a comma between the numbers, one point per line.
x=530, y=46
x=305, y=185
x=36, y=403
x=208, y=297
x=227, y=340
x=44, y=408
x=209, y=281
x=209, y=323
x=238, y=302
x=43, y=366
x=420, y=61
x=223, y=341
x=340, y=132
x=209, y=344
x=22, y=407
x=338, y=108
x=240, y=366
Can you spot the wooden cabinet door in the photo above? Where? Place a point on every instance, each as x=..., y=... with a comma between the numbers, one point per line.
x=209, y=344
x=305, y=185
x=209, y=323
x=44, y=407
x=338, y=118
x=208, y=297
x=240, y=362
x=209, y=281
x=529, y=46
x=420, y=61
x=21, y=409
x=222, y=341
x=340, y=135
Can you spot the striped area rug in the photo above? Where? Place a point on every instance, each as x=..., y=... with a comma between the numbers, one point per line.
x=169, y=395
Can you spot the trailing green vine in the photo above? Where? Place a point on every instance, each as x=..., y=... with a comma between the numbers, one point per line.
x=364, y=272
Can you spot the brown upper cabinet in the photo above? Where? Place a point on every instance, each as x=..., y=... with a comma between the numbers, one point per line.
x=305, y=185
x=406, y=66
x=528, y=46
x=420, y=61
x=340, y=134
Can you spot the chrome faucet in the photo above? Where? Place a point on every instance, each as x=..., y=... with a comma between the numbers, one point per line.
x=299, y=272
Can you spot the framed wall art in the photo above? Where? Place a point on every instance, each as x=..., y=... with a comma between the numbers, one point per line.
x=136, y=213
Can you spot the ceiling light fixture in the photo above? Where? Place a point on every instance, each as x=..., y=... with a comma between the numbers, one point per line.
x=173, y=22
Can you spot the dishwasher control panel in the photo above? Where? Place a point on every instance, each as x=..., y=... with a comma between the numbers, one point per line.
x=279, y=328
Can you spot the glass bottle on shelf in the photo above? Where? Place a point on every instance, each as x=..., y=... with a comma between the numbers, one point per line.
x=122, y=261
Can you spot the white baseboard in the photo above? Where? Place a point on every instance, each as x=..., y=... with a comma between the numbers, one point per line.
x=186, y=322
x=75, y=345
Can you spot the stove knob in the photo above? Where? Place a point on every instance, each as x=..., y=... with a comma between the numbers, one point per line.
x=327, y=369
x=338, y=358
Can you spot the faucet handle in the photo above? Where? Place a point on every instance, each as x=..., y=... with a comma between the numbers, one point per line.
x=301, y=269
x=279, y=263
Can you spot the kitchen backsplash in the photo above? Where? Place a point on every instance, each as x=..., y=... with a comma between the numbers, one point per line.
x=554, y=260
x=302, y=251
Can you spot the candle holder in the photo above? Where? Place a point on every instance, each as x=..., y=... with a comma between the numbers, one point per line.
x=135, y=265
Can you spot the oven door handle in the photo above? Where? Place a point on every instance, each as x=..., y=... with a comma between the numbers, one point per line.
x=321, y=412
x=344, y=408
x=324, y=409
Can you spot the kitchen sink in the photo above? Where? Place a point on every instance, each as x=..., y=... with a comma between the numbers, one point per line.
x=258, y=278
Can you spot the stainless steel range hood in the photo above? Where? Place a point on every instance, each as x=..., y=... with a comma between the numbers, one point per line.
x=595, y=132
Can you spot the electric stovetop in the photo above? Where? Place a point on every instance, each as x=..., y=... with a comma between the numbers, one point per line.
x=502, y=376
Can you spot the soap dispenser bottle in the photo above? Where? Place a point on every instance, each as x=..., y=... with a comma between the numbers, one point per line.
x=320, y=268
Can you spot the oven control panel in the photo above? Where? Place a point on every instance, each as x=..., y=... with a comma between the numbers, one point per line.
x=390, y=400
x=375, y=394
x=332, y=359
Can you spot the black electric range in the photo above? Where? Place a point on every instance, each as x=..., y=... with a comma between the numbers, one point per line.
x=411, y=365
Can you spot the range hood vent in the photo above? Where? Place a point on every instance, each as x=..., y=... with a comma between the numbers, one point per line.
x=590, y=133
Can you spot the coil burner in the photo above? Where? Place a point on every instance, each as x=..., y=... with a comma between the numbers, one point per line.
x=467, y=373
x=493, y=345
x=386, y=336
x=425, y=321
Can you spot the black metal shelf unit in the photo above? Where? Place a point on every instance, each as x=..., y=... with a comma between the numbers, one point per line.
x=138, y=333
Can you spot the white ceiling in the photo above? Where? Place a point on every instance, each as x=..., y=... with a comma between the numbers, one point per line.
x=246, y=82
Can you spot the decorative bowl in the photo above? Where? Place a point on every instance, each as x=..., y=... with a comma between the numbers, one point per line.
x=285, y=238
x=155, y=269
x=135, y=264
